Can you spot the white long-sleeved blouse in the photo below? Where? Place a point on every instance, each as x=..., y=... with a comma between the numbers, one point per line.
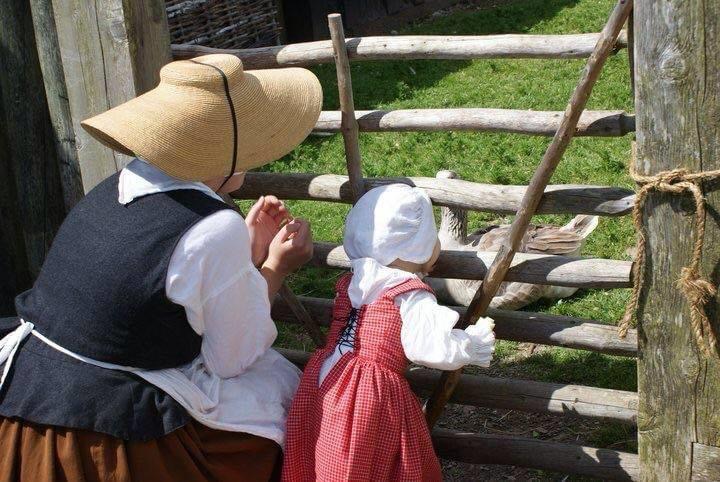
x=225, y=297
x=428, y=336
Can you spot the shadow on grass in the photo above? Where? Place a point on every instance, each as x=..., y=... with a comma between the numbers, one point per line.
x=376, y=83
x=578, y=367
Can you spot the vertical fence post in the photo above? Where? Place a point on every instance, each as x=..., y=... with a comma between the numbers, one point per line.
x=678, y=126
x=349, y=125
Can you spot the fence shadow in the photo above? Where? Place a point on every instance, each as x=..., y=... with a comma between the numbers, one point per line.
x=379, y=82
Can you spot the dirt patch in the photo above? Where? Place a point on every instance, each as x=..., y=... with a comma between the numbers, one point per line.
x=521, y=424
x=510, y=422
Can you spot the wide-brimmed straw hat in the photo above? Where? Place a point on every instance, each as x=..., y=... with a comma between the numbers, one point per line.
x=208, y=118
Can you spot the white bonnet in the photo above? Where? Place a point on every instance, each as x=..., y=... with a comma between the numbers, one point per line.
x=391, y=222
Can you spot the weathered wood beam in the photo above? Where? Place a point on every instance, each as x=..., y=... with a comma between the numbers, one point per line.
x=529, y=268
x=557, y=199
x=677, y=95
x=407, y=47
x=524, y=395
x=603, y=464
x=601, y=123
x=522, y=326
x=111, y=52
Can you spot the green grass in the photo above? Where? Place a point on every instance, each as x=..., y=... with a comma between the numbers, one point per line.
x=493, y=158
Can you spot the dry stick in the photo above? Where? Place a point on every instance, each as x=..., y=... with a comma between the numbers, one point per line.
x=631, y=51
x=301, y=313
x=539, y=181
x=291, y=300
x=349, y=125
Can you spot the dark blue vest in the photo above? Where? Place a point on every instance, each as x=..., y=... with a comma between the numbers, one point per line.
x=101, y=294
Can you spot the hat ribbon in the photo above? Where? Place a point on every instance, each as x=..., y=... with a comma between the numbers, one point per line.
x=234, y=120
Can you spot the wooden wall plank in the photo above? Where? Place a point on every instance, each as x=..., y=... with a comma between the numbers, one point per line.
x=110, y=54
x=31, y=206
x=57, y=99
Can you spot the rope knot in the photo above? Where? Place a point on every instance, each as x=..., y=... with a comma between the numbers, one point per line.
x=697, y=290
x=671, y=177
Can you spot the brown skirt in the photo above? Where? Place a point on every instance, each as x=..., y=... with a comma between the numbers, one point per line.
x=193, y=453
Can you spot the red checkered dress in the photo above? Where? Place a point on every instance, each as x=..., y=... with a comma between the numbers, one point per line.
x=363, y=422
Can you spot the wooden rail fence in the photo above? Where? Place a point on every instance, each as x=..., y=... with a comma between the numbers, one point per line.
x=412, y=47
x=454, y=193
x=522, y=326
x=598, y=123
x=523, y=395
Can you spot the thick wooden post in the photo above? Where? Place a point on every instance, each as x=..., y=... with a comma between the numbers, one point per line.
x=31, y=204
x=677, y=75
x=110, y=52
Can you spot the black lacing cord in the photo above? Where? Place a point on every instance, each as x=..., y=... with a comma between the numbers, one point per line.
x=234, y=119
x=347, y=336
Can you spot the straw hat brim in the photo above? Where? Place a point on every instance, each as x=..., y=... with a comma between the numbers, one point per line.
x=188, y=132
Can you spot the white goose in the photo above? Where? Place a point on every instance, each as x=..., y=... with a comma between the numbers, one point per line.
x=566, y=240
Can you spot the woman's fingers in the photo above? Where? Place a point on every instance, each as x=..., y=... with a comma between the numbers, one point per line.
x=303, y=232
x=255, y=210
x=275, y=208
x=289, y=230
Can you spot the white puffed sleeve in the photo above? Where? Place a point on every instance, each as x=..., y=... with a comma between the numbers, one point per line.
x=225, y=297
x=429, y=339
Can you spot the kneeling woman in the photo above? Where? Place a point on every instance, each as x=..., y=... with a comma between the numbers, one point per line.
x=143, y=350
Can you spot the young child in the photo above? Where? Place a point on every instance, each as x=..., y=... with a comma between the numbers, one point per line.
x=354, y=416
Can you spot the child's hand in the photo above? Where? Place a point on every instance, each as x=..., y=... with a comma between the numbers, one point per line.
x=264, y=221
x=291, y=247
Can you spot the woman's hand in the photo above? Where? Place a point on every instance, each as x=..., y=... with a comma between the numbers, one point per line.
x=263, y=221
x=291, y=247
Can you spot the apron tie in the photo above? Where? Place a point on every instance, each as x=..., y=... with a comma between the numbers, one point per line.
x=171, y=380
x=10, y=344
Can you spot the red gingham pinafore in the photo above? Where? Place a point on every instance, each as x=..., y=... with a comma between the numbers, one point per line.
x=363, y=422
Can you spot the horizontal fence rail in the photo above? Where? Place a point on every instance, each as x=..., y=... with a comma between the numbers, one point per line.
x=455, y=193
x=412, y=47
x=543, y=269
x=522, y=326
x=523, y=395
x=602, y=123
x=602, y=464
